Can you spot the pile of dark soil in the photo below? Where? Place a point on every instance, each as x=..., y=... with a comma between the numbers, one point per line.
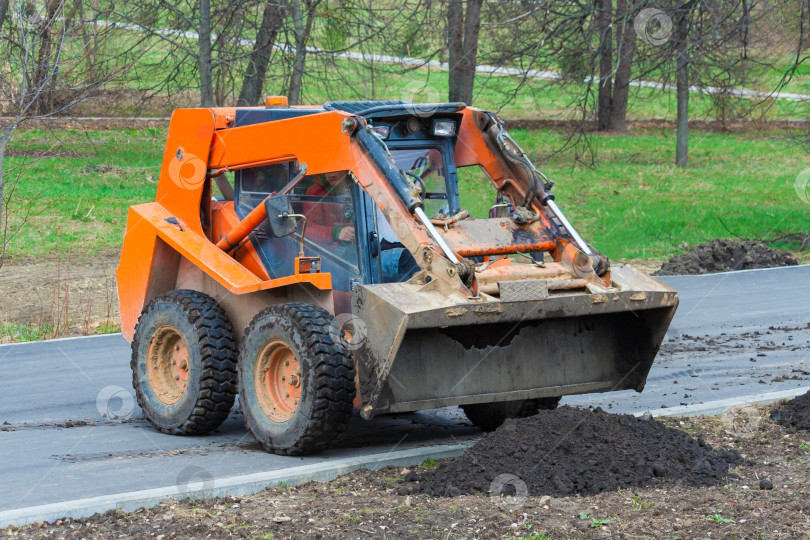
x=722, y=255
x=795, y=413
x=578, y=451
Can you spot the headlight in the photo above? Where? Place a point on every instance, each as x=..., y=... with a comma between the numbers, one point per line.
x=444, y=128
x=382, y=131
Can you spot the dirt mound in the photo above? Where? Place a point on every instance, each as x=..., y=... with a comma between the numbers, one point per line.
x=795, y=413
x=577, y=451
x=721, y=255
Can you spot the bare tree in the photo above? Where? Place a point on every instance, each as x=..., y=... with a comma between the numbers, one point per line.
x=33, y=47
x=272, y=19
x=682, y=25
x=709, y=48
x=463, y=27
x=204, y=56
x=603, y=23
x=3, y=11
x=41, y=76
x=303, y=17
x=211, y=37
x=626, y=11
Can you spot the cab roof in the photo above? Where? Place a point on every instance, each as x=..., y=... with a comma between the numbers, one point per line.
x=367, y=109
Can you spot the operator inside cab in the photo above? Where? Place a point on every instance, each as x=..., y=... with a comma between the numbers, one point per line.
x=332, y=226
x=329, y=223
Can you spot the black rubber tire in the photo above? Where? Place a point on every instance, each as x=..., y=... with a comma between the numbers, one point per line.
x=490, y=416
x=211, y=388
x=327, y=380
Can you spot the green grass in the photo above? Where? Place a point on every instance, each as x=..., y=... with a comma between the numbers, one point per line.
x=331, y=79
x=15, y=332
x=79, y=201
x=632, y=204
x=635, y=204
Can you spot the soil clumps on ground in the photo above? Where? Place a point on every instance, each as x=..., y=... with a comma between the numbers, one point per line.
x=577, y=451
x=795, y=413
x=723, y=255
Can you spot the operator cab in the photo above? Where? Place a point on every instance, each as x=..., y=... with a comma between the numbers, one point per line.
x=344, y=228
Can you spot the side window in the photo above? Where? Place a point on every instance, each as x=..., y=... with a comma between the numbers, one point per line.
x=326, y=201
x=255, y=183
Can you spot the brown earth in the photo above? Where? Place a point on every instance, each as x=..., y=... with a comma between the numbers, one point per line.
x=73, y=295
x=366, y=504
x=577, y=451
x=722, y=255
x=795, y=414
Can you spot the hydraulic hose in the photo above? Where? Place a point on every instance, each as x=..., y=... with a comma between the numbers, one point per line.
x=376, y=149
x=536, y=189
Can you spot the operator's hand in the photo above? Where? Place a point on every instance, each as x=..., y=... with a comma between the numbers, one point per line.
x=346, y=234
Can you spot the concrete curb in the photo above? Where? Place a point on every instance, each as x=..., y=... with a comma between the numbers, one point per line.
x=56, y=340
x=233, y=485
x=722, y=405
x=321, y=472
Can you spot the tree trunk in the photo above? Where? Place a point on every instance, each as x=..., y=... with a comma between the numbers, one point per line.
x=462, y=39
x=260, y=57
x=603, y=16
x=5, y=136
x=3, y=11
x=45, y=72
x=626, y=45
x=204, y=61
x=472, y=27
x=455, y=46
x=302, y=29
x=682, y=90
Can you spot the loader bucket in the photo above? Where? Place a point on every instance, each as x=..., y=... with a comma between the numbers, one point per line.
x=426, y=347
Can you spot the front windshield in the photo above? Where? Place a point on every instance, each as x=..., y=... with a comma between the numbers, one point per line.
x=426, y=166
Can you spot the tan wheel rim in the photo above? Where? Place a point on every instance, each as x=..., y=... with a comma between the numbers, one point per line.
x=167, y=364
x=278, y=381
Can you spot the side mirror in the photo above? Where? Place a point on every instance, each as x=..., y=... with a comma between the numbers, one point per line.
x=280, y=216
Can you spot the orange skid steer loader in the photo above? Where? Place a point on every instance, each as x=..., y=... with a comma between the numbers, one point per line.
x=318, y=260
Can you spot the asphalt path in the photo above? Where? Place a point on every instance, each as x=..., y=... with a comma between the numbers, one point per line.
x=70, y=428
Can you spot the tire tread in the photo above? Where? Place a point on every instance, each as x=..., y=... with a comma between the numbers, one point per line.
x=334, y=373
x=218, y=351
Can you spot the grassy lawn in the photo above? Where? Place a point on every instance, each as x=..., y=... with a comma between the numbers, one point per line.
x=331, y=79
x=79, y=197
x=633, y=203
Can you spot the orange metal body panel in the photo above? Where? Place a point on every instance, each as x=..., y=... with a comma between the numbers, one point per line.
x=185, y=164
x=319, y=141
x=218, y=264
x=473, y=148
x=148, y=268
x=146, y=226
x=224, y=219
